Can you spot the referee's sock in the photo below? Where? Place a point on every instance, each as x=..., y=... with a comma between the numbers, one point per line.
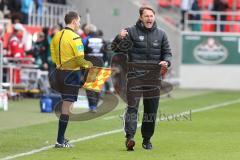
x=62, y=125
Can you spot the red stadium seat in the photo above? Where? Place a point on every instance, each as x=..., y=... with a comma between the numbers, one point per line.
x=206, y=27
x=227, y=27
x=230, y=3
x=204, y=3
x=164, y=3
x=176, y=3
x=236, y=27
x=238, y=4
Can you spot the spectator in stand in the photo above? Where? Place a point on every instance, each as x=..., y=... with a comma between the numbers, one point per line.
x=16, y=48
x=39, y=52
x=93, y=52
x=47, y=62
x=49, y=34
x=106, y=59
x=54, y=30
x=89, y=30
x=195, y=7
x=81, y=33
x=85, y=33
x=220, y=6
x=186, y=5
x=15, y=45
x=16, y=17
x=26, y=5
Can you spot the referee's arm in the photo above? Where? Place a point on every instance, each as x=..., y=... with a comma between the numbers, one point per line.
x=52, y=51
x=78, y=49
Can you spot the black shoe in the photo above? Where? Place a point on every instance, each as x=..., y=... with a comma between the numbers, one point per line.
x=147, y=144
x=130, y=143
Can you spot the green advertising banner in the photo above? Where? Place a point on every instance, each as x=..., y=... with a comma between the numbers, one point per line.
x=210, y=49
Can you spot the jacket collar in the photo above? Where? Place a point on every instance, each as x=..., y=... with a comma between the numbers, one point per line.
x=69, y=29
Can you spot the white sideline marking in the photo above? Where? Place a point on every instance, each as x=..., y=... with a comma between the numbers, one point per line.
x=120, y=130
x=51, y=146
x=170, y=117
x=216, y=106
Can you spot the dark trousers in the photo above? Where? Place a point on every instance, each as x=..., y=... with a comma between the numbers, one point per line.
x=149, y=89
x=93, y=98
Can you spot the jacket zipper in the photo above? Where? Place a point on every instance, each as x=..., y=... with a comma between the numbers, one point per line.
x=147, y=47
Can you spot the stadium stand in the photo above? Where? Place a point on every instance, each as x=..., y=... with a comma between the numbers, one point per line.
x=208, y=24
x=169, y=3
x=209, y=21
x=23, y=74
x=206, y=27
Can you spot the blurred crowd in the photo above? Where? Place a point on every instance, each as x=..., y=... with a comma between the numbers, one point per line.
x=193, y=5
x=210, y=10
x=24, y=47
x=18, y=10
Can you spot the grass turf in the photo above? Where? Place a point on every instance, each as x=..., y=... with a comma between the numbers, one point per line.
x=212, y=134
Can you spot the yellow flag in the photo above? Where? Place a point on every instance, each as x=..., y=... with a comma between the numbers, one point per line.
x=96, y=78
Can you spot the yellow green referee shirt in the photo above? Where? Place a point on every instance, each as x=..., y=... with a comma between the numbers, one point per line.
x=67, y=50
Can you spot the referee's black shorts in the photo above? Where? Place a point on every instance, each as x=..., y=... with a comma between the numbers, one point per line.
x=67, y=83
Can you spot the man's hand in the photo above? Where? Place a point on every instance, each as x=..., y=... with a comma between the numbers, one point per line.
x=123, y=33
x=90, y=65
x=87, y=65
x=164, y=68
x=163, y=64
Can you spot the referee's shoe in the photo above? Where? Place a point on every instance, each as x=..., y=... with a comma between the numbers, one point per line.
x=65, y=144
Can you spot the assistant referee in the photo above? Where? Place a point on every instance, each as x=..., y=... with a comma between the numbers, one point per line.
x=67, y=52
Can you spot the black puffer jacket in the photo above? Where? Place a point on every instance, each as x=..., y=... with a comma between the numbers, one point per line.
x=144, y=45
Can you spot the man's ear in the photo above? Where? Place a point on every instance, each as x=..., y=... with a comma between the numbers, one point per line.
x=140, y=18
x=74, y=21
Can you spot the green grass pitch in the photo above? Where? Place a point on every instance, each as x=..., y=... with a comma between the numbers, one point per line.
x=210, y=134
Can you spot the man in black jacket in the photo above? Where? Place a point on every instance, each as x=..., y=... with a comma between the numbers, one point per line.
x=149, y=55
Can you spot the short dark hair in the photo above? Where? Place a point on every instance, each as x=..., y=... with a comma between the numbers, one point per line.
x=141, y=9
x=70, y=16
